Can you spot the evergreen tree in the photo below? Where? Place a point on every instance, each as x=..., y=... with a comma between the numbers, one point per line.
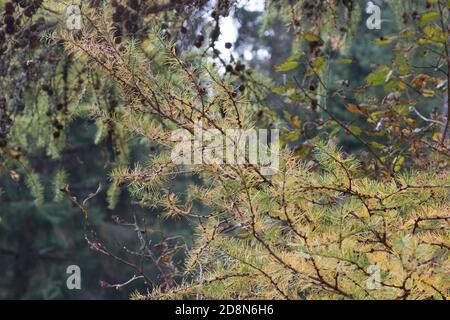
x=366, y=222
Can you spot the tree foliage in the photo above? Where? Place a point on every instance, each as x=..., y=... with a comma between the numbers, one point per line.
x=316, y=228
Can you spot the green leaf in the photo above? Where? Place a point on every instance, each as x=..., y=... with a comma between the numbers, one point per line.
x=428, y=17
x=311, y=37
x=398, y=163
x=355, y=130
x=395, y=85
x=382, y=41
x=407, y=33
x=378, y=145
x=290, y=136
x=378, y=77
x=279, y=90
x=287, y=66
x=295, y=56
x=434, y=32
x=317, y=64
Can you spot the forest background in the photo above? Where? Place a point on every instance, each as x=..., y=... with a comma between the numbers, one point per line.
x=315, y=69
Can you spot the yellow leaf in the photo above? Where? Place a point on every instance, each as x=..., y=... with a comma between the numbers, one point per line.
x=428, y=93
x=311, y=37
x=437, y=136
x=296, y=121
x=353, y=108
